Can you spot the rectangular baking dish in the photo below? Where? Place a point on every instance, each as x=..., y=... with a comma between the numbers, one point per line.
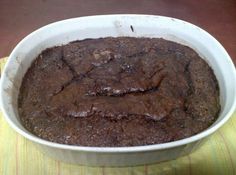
x=63, y=32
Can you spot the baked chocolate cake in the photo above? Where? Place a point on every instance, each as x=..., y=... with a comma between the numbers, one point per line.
x=118, y=92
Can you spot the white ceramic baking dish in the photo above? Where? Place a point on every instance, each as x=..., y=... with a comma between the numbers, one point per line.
x=63, y=32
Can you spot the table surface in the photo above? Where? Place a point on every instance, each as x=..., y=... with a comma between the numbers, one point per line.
x=19, y=18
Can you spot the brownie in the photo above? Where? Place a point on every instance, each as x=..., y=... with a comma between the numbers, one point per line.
x=113, y=92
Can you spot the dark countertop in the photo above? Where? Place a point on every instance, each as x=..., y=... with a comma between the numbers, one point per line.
x=19, y=18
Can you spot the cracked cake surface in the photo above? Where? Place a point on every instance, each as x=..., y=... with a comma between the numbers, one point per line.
x=118, y=92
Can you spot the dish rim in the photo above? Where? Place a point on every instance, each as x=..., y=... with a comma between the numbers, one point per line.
x=126, y=149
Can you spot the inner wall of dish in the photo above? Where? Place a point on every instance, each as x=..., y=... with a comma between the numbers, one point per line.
x=35, y=44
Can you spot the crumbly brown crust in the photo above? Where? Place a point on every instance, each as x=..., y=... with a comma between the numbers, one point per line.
x=118, y=92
